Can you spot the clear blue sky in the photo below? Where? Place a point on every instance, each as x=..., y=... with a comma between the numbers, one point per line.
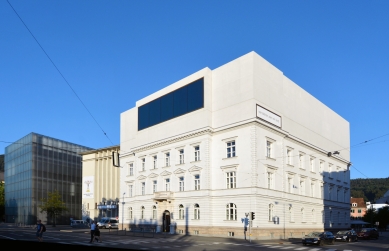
x=113, y=53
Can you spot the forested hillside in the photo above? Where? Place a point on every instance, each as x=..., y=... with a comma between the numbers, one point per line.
x=369, y=189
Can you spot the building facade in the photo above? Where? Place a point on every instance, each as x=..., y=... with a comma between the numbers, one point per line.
x=35, y=165
x=100, y=184
x=201, y=154
x=358, y=208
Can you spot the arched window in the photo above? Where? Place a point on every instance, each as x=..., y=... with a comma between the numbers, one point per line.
x=313, y=215
x=271, y=212
x=130, y=213
x=142, y=212
x=181, y=212
x=154, y=212
x=231, y=213
x=291, y=215
x=196, y=212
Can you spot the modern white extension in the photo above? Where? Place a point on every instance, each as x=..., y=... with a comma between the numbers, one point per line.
x=203, y=152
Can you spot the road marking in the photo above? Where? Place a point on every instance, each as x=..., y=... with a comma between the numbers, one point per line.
x=301, y=248
x=275, y=246
x=287, y=247
x=7, y=237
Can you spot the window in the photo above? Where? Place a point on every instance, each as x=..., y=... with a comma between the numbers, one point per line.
x=197, y=181
x=196, y=212
x=167, y=159
x=270, y=184
x=231, y=179
x=321, y=167
x=289, y=185
x=130, y=191
x=337, y=195
x=359, y=211
x=154, y=212
x=312, y=164
x=130, y=213
x=176, y=103
x=167, y=184
x=329, y=192
x=181, y=212
x=291, y=216
x=269, y=149
x=303, y=215
x=143, y=164
x=313, y=215
x=312, y=189
x=302, y=187
x=271, y=212
x=181, y=154
x=321, y=192
x=301, y=161
x=289, y=153
x=131, y=169
x=142, y=212
x=231, y=149
x=231, y=213
x=330, y=170
x=143, y=185
x=155, y=162
x=181, y=184
x=322, y=217
x=154, y=186
x=197, y=153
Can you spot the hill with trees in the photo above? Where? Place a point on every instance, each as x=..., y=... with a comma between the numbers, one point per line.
x=369, y=189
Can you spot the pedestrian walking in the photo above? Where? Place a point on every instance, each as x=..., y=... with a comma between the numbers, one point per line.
x=97, y=234
x=39, y=231
x=92, y=231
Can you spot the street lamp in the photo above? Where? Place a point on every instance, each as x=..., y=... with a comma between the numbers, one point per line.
x=123, y=210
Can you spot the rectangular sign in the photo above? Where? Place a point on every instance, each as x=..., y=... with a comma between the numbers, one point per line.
x=88, y=187
x=268, y=116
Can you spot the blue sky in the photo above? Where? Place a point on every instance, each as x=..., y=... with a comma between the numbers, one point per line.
x=113, y=53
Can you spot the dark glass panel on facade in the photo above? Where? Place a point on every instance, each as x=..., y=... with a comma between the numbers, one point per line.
x=179, y=102
x=166, y=106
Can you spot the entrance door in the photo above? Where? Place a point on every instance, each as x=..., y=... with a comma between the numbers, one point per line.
x=166, y=221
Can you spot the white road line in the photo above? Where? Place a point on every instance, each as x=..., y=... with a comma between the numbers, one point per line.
x=287, y=247
x=7, y=237
x=302, y=248
x=329, y=249
x=275, y=247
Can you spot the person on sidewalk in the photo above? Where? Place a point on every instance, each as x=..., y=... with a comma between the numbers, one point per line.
x=92, y=231
x=39, y=231
x=97, y=235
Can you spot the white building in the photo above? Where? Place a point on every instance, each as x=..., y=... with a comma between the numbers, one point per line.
x=204, y=151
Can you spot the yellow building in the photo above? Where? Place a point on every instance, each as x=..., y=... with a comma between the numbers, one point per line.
x=100, y=184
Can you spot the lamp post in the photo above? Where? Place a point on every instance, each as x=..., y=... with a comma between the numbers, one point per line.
x=123, y=210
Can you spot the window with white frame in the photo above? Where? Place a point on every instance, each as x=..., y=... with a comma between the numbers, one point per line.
x=321, y=192
x=312, y=164
x=197, y=181
x=231, y=179
x=303, y=215
x=330, y=171
x=130, y=213
x=181, y=183
x=301, y=160
x=143, y=164
x=142, y=212
x=338, y=173
x=291, y=215
x=154, y=212
x=321, y=167
x=289, y=154
x=337, y=194
x=329, y=192
x=290, y=184
x=167, y=159
x=130, y=191
x=155, y=186
x=312, y=189
x=155, y=161
x=269, y=149
x=197, y=153
x=181, y=212
x=167, y=184
x=271, y=212
x=313, y=215
x=231, y=149
x=131, y=169
x=270, y=180
x=196, y=212
x=143, y=188
x=181, y=156
x=231, y=212
x=302, y=187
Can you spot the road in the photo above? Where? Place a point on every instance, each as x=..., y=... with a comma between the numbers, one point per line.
x=64, y=235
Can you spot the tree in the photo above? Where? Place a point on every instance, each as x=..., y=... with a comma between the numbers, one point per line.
x=370, y=216
x=383, y=216
x=53, y=205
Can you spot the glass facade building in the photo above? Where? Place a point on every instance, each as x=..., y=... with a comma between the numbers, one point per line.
x=36, y=165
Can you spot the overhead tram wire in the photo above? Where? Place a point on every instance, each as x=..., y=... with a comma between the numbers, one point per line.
x=60, y=72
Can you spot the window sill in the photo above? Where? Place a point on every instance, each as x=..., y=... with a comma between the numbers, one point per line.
x=229, y=220
x=313, y=172
x=166, y=167
x=180, y=164
x=290, y=165
x=195, y=161
x=302, y=168
x=142, y=171
x=230, y=158
x=270, y=158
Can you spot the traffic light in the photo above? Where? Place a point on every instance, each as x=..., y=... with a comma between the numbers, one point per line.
x=252, y=215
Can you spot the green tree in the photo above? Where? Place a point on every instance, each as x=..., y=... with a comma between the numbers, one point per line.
x=2, y=200
x=383, y=216
x=53, y=205
x=370, y=216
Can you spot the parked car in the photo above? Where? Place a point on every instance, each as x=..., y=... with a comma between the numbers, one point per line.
x=368, y=233
x=346, y=235
x=108, y=223
x=318, y=238
x=77, y=223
